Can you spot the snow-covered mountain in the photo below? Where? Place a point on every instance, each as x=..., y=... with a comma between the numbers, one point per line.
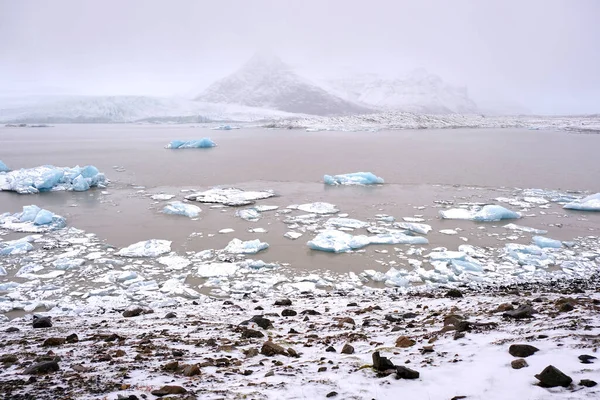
x=265, y=81
x=118, y=109
x=420, y=92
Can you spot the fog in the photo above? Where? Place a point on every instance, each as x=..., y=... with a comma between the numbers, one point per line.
x=541, y=54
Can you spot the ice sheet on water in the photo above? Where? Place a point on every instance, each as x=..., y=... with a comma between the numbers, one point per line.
x=345, y=223
x=180, y=208
x=66, y=264
x=147, y=248
x=162, y=197
x=3, y=167
x=204, y=143
x=50, y=178
x=32, y=219
x=224, y=128
x=237, y=246
x=355, y=178
x=230, y=196
x=397, y=238
x=248, y=214
x=527, y=229
x=551, y=195
x=589, y=203
x=423, y=229
x=545, y=242
x=318, y=208
x=336, y=241
x=292, y=235
x=174, y=262
x=487, y=213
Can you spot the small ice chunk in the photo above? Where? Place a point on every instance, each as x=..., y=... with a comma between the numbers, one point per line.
x=263, y=208
x=338, y=242
x=545, y=242
x=204, y=143
x=423, y=229
x=174, y=262
x=355, y=178
x=43, y=217
x=217, y=269
x=515, y=227
x=248, y=214
x=66, y=264
x=457, y=213
x=318, y=208
x=2, y=270
x=413, y=219
x=230, y=196
x=15, y=247
x=397, y=238
x=487, y=213
x=237, y=246
x=257, y=230
x=446, y=255
x=590, y=203
x=227, y=230
x=148, y=248
x=162, y=197
x=180, y=208
x=80, y=184
x=28, y=269
x=346, y=223
x=292, y=235
x=448, y=231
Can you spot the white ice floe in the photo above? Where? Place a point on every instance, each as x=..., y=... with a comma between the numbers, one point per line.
x=336, y=241
x=318, y=208
x=413, y=219
x=204, y=143
x=162, y=197
x=423, y=229
x=180, y=208
x=355, y=178
x=148, y=248
x=292, y=235
x=448, y=232
x=32, y=219
x=226, y=230
x=212, y=270
x=527, y=229
x=15, y=247
x=237, y=246
x=345, y=223
x=230, y=196
x=590, y=203
x=264, y=208
x=545, y=242
x=66, y=264
x=174, y=262
x=50, y=178
x=487, y=213
x=248, y=214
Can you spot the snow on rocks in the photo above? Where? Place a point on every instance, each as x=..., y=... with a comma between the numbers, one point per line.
x=237, y=246
x=204, y=143
x=32, y=219
x=180, y=208
x=148, y=248
x=230, y=196
x=355, y=178
x=589, y=203
x=486, y=213
x=50, y=178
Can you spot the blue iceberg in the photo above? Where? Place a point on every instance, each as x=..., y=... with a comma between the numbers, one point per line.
x=3, y=167
x=545, y=242
x=356, y=178
x=204, y=143
x=590, y=203
x=487, y=213
x=50, y=178
x=32, y=219
x=179, y=208
x=15, y=247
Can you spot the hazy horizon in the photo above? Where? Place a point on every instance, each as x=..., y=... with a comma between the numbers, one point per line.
x=539, y=55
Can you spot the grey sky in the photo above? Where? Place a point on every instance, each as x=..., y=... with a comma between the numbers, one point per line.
x=543, y=54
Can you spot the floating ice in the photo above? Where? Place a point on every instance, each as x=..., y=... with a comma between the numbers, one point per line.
x=248, y=214
x=148, y=248
x=413, y=219
x=236, y=246
x=590, y=203
x=15, y=247
x=174, y=262
x=162, y=197
x=203, y=143
x=341, y=242
x=50, y=178
x=230, y=196
x=544, y=242
x=487, y=213
x=224, y=128
x=527, y=229
x=448, y=231
x=397, y=238
x=227, y=230
x=356, y=178
x=180, y=208
x=446, y=255
x=346, y=223
x=66, y=264
x=217, y=269
x=3, y=167
x=414, y=227
x=318, y=208
x=32, y=219
x=292, y=235
x=263, y=208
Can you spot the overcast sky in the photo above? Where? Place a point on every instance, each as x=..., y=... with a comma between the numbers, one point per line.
x=542, y=54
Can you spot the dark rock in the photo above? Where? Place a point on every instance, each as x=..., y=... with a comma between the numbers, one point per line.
x=260, y=321
x=191, y=370
x=288, y=313
x=566, y=307
x=293, y=353
x=252, y=352
x=381, y=363
x=171, y=366
x=504, y=307
x=283, y=302
x=228, y=303
x=252, y=333
x=519, y=363
x=352, y=304
x=43, y=367
x=393, y=318
x=259, y=308
x=330, y=349
x=552, y=377
x=523, y=311
x=133, y=312
x=322, y=369
x=53, y=341
x=410, y=315
x=170, y=315
x=310, y=312
x=331, y=394
x=406, y=373
x=12, y=329
x=120, y=353
x=345, y=320
x=587, y=383
x=42, y=322
x=72, y=338
x=270, y=349
x=270, y=373
x=168, y=389
x=586, y=359
x=347, y=349
x=404, y=342
x=454, y=293
x=8, y=358
x=522, y=350
x=177, y=353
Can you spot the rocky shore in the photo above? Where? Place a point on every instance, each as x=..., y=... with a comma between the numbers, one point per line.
x=514, y=342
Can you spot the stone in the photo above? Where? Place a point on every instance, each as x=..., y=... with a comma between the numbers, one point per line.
x=171, y=366
x=381, y=363
x=42, y=322
x=260, y=321
x=8, y=358
x=454, y=293
x=169, y=389
x=522, y=350
x=553, y=377
x=406, y=373
x=170, y=315
x=322, y=369
x=566, y=307
x=331, y=394
x=177, y=353
x=72, y=338
x=522, y=312
x=504, y=307
x=133, y=312
x=347, y=349
x=310, y=312
x=283, y=302
x=270, y=373
x=293, y=353
x=252, y=352
x=252, y=333
x=43, y=367
x=12, y=329
x=54, y=341
x=519, y=363
x=587, y=383
x=330, y=349
x=345, y=320
x=404, y=342
x=288, y=313
x=271, y=349
x=191, y=370
x=120, y=353
x=586, y=359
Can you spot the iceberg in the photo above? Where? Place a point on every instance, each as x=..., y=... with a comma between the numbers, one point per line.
x=66, y=264
x=487, y=213
x=292, y=235
x=230, y=196
x=15, y=247
x=148, y=248
x=50, y=178
x=590, y=203
x=236, y=246
x=318, y=208
x=204, y=143
x=180, y=208
x=3, y=167
x=249, y=214
x=335, y=241
x=32, y=219
x=545, y=242
x=355, y=178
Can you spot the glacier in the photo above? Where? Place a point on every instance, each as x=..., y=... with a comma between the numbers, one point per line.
x=355, y=178
x=204, y=143
x=148, y=248
x=180, y=208
x=3, y=167
x=589, y=203
x=32, y=219
x=50, y=178
x=230, y=196
x=488, y=213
